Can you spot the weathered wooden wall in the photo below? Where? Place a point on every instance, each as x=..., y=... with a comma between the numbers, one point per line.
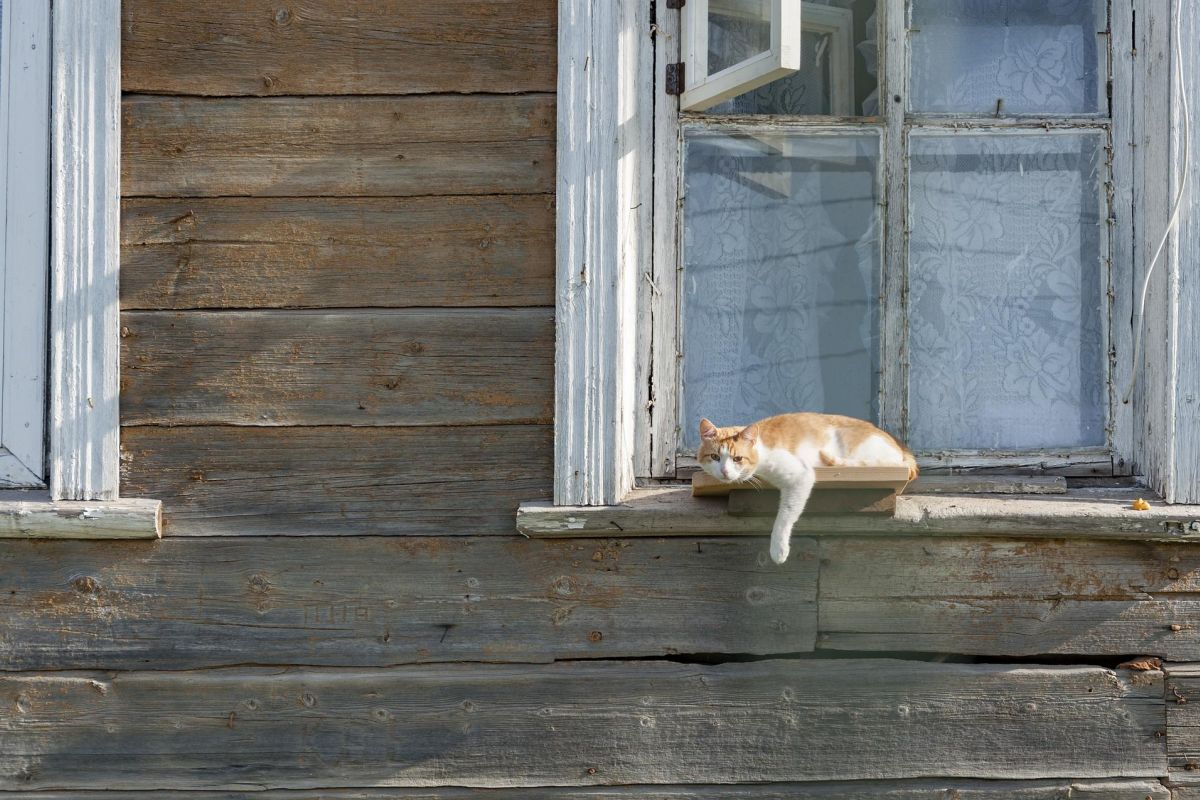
x=337, y=308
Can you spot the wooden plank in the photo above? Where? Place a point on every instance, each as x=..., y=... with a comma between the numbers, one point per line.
x=1183, y=723
x=380, y=601
x=1100, y=513
x=235, y=47
x=220, y=481
x=755, y=502
x=859, y=790
x=1010, y=597
x=894, y=478
x=328, y=253
x=84, y=403
x=383, y=367
x=343, y=146
x=605, y=139
x=74, y=519
x=988, y=484
x=577, y=723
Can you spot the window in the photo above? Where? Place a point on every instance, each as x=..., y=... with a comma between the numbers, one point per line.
x=918, y=234
x=906, y=128
x=24, y=239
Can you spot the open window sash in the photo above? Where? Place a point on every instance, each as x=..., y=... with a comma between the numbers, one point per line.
x=760, y=42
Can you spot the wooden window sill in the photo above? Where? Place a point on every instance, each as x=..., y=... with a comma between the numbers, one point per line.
x=33, y=515
x=1100, y=513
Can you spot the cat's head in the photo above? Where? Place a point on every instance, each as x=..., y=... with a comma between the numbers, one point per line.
x=728, y=454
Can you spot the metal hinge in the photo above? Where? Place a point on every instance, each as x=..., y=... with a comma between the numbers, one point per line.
x=675, y=3
x=675, y=78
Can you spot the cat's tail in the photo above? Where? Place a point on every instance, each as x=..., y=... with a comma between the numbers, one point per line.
x=911, y=462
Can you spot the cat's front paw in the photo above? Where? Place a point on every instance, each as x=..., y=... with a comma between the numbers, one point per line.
x=779, y=552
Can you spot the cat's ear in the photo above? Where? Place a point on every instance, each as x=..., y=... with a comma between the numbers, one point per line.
x=707, y=430
x=749, y=434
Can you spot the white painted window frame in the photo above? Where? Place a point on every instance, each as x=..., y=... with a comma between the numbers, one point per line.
x=611, y=420
x=24, y=239
x=81, y=500
x=782, y=58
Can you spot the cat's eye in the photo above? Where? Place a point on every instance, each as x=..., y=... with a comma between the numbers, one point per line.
x=738, y=459
x=715, y=457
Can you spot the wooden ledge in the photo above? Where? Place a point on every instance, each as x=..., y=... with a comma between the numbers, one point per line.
x=36, y=516
x=1078, y=513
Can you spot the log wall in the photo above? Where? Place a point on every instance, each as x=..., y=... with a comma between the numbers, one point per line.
x=337, y=359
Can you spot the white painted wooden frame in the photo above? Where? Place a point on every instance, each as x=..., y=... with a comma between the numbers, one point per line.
x=85, y=250
x=603, y=235
x=838, y=24
x=660, y=335
x=1167, y=398
x=702, y=90
x=24, y=239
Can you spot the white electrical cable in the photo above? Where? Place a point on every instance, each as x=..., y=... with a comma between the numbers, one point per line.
x=1173, y=222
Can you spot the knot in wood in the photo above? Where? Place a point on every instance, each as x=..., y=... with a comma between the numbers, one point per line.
x=595, y=636
x=308, y=700
x=283, y=16
x=86, y=584
x=259, y=584
x=1173, y=574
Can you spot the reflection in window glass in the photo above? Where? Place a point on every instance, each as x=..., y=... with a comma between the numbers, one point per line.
x=781, y=273
x=738, y=30
x=1021, y=56
x=838, y=65
x=1006, y=291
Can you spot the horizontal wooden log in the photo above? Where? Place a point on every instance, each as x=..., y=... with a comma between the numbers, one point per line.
x=77, y=519
x=380, y=601
x=859, y=790
x=1183, y=723
x=345, y=146
x=337, y=252
x=576, y=723
x=220, y=481
x=1010, y=597
x=381, y=367
x=254, y=47
x=1081, y=513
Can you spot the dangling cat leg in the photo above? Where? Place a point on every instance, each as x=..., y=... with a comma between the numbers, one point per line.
x=793, y=497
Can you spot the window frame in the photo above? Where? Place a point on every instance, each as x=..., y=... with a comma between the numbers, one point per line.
x=661, y=351
x=24, y=240
x=607, y=246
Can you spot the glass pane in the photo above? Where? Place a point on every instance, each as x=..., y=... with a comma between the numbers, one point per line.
x=738, y=30
x=1021, y=56
x=1006, y=291
x=838, y=66
x=781, y=260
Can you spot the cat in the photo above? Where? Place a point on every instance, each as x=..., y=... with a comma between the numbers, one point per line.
x=785, y=450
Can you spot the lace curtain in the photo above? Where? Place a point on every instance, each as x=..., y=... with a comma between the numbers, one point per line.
x=781, y=275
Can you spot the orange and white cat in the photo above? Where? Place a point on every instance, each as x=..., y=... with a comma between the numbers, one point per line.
x=786, y=450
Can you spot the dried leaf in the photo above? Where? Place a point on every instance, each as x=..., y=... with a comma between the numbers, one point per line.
x=1140, y=505
x=1146, y=664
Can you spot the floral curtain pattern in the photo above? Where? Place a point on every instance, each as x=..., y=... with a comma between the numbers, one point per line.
x=1006, y=291
x=781, y=274
x=1011, y=56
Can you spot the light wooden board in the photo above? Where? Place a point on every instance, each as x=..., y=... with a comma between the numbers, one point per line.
x=218, y=481
x=251, y=47
x=705, y=485
x=380, y=601
x=1082, y=513
x=80, y=519
x=860, y=790
x=756, y=502
x=382, y=367
x=327, y=252
x=1005, y=597
x=577, y=723
x=1183, y=723
x=347, y=146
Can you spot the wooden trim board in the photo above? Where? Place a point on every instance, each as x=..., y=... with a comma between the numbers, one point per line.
x=893, y=478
